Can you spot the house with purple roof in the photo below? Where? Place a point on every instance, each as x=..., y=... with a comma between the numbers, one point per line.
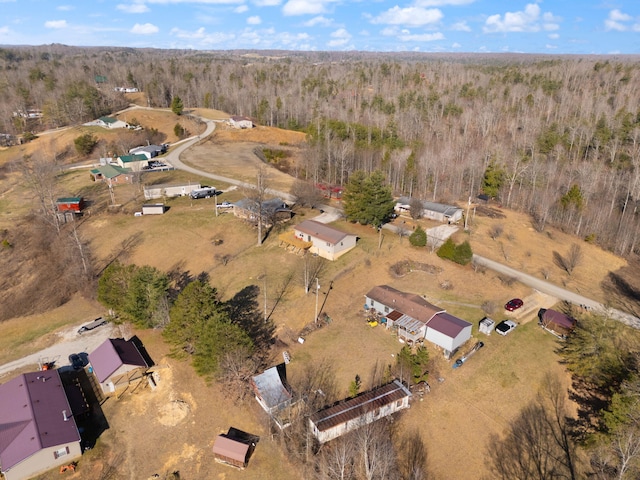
x=37, y=429
x=415, y=319
x=116, y=363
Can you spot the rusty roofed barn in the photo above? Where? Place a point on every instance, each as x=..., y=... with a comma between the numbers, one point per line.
x=366, y=408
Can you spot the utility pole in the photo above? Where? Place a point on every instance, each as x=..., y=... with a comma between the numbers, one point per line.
x=315, y=319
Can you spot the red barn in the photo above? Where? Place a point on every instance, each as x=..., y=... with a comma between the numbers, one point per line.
x=70, y=204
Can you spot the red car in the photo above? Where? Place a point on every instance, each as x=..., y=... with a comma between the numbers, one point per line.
x=513, y=304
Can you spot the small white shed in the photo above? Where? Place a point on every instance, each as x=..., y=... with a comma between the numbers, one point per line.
x=153, y=209
x=487, y=325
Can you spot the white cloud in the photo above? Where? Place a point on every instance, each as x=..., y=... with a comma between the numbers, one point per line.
x=318, y=21
x=4, y=31
x=206, y=2
x=255, y=20
x=339, y=38
x=133, y=8
x=56, y=24
x=461, y=27
x=412, y=16
x=266, y=3
x=551, y=47
x=527, y=20
x=455, y=45
x=615, y=21
x=554, y=36
x=65, y=8
x=305, y=7
x=144, y=29
x=241, y=9
x=441, y=3
x=420, y=37
x=389, y=31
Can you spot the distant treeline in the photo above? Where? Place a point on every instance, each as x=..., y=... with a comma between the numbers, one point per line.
x=556, y=137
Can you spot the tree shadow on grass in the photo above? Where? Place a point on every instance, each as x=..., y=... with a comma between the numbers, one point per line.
x=244, y=310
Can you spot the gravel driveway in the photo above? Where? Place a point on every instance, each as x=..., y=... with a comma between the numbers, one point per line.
x=70, y=342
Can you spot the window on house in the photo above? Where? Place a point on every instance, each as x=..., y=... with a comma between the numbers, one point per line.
x=328, y=244
x=61, y=452
x=399, y=403
x=386, y=309
x=341, y=244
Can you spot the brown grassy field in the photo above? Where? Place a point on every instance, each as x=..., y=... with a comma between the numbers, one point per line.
x=173, y=427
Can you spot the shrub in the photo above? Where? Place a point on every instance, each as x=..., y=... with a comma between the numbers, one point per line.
x=447, y=250
x=85, y=143
x=463, y=254
x=418, y=238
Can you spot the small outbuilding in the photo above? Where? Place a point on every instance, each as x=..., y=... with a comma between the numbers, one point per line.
x=153, y=209
x=234, y=447
x=486, y=325
x=70, y=204
x=558, y=323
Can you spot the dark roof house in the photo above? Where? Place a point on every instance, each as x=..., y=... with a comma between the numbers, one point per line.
x=416, y=319
x=116, y=363
x=366, y=408
x=37, y=429
x=556, y=322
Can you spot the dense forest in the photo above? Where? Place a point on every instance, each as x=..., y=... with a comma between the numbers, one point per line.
x=556, y=137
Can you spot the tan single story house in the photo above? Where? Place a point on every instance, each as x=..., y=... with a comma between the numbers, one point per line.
x=326, y=241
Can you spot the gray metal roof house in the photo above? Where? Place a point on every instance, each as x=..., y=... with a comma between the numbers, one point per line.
x=37, y=428
x=116, y=363
x=431, y=210
x=272, y=391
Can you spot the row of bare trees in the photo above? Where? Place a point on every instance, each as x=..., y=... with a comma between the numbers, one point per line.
x=433, y=124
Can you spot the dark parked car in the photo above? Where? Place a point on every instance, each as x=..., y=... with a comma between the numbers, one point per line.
x=76, y=361
x=513, y=304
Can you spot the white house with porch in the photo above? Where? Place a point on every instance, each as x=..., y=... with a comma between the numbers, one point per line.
x=326, y=241
x=416, y=320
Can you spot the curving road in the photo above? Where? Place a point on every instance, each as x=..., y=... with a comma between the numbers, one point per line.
x=173, y=157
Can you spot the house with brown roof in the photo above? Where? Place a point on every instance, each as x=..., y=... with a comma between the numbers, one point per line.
x=353, y=413
x=37, y=428
x=116, y=363
x=326, y=241
x=415, y=319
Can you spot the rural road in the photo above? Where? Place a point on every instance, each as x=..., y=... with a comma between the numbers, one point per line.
x=173, y=157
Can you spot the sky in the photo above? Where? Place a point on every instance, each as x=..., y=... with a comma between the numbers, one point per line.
x=468, y=26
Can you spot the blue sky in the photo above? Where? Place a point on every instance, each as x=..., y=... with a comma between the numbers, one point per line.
x=551, y=26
